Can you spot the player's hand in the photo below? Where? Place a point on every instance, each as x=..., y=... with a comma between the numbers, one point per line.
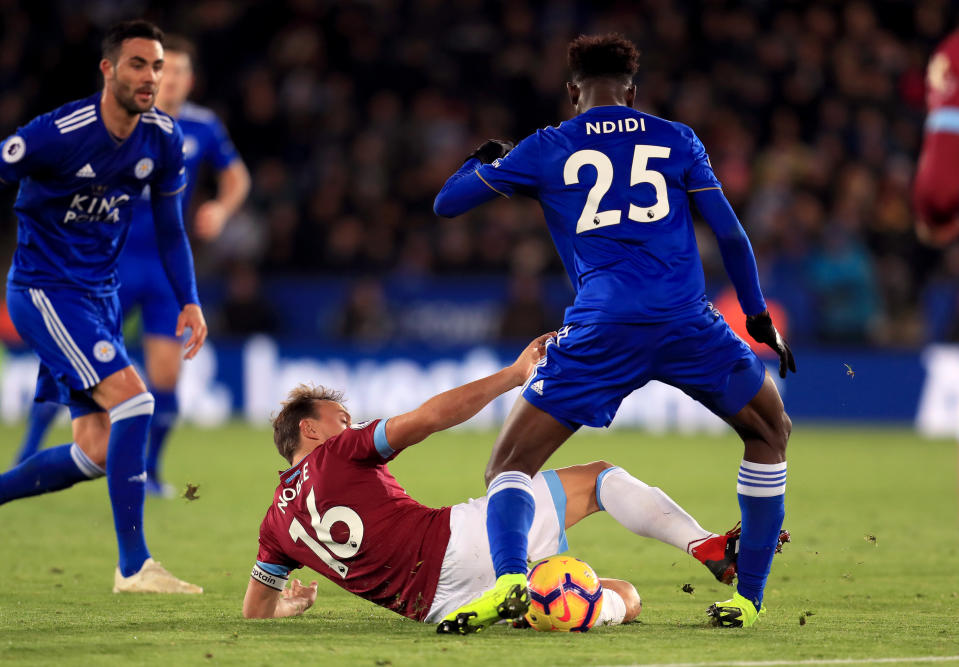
x=210, y=219
x=761, y=328
x=299, y=595
x=492, y=150
x=192, y=317
x=528, y=358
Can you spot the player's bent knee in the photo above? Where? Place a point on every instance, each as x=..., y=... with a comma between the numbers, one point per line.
x=629, y=595
x=633, y=605
x=94, y=443
x=781, y=433
x=600, y=466
x=91, y=433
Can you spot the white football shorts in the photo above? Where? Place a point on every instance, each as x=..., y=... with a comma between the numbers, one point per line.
x=467, y=570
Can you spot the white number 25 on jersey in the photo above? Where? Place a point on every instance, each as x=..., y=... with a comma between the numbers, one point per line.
x=327, y=547
x=592, y=217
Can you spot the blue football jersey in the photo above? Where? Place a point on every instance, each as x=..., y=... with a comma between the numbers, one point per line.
x=205, y=141
x=78, y=185
x=613, y=183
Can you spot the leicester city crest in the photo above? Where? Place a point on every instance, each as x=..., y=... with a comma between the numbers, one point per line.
x=104, y=351
x=144, y=168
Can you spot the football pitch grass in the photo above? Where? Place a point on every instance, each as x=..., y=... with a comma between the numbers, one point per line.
x=872, y=573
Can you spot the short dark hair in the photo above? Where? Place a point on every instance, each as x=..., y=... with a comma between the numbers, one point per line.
x=180, y=44
x=299, y=404
x=121, y=32
x=600, y=56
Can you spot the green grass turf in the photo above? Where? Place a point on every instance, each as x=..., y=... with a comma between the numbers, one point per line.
x=896, y=596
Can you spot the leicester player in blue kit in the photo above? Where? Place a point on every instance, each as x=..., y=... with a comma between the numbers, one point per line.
x=205, y=143
x=80, y=168
x=614, y=184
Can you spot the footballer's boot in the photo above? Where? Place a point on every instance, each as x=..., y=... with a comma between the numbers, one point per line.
x=508, y=599
x=152, y=578
x=718, y=553
x=735, y=613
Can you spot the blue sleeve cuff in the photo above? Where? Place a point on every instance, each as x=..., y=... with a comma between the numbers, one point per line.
x=945, y=119
x=380, y=442
x=275, y=570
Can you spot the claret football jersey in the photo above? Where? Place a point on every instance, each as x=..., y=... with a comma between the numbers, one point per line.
x=78, y=184
x=340, y=512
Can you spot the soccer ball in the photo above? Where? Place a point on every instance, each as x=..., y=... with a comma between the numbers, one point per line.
x=565, y=595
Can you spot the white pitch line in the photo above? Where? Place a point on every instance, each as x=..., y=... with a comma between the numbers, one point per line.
x=823, y=661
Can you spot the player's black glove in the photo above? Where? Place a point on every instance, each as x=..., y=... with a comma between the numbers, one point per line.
x=761, y=328
x=493, y=149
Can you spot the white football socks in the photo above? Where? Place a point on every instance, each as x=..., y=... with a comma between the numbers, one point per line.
x=646, y=510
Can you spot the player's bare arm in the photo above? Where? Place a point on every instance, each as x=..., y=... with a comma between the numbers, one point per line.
x=457, y=405
x=233, y=185
x=261, y=601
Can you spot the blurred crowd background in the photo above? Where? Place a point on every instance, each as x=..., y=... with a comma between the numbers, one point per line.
x=351, y=115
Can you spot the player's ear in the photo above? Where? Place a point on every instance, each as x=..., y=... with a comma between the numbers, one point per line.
x=630, y=94
x=106, y=68
x=308, y=428
x=574, y=92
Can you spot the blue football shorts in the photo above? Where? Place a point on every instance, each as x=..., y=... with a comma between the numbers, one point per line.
x=590, y=368
x=143, y=283
x=78, y=338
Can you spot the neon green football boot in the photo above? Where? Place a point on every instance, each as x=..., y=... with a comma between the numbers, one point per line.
x=736, y=613
x=508, y=599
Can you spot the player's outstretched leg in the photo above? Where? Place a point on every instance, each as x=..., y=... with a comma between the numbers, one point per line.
x=42, y=414
x=720, y=553
x=761, y=487
x=49, y=470
x=528, y=438
x=647, y=511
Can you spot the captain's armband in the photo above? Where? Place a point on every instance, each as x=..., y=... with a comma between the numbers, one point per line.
x=274, y=576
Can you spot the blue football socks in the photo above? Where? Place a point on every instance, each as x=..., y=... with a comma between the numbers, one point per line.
x=48, y=470
x=509, y=516
x=42, y=414
x=164, y=416
x=761, y=488
x=126, y=478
